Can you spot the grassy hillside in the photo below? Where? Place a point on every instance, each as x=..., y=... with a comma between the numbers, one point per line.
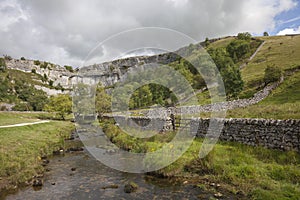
x=221, y=43
x=281, y=51
x=282, y=103
x=17, y=88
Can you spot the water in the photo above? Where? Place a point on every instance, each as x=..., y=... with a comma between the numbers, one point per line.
x=90, y=176
x=77, y=175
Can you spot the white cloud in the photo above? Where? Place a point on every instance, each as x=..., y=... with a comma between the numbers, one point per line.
x=64, y=32
x=289, y=31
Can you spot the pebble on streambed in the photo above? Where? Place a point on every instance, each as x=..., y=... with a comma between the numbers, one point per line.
x=37, y=182
x=130, y=187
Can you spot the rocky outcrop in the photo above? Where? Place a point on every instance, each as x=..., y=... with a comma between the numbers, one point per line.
x=59, y=75
x=108, y=73
x=50, y=91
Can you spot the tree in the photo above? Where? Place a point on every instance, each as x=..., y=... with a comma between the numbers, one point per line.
x=206, y=43
x=232, y=80
x=229, y=71
x=272, y=74
x=60, y=104
x=103, y=101
x=244, y=36
x=37, y=100
x=266, y=33
x=2, y=65
x=238, y=48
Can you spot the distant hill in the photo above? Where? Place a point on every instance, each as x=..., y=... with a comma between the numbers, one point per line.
x=281, y=51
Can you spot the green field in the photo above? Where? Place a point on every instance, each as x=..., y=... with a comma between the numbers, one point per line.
x=21, y=148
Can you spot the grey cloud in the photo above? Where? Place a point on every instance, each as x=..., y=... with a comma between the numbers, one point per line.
x=64, y=31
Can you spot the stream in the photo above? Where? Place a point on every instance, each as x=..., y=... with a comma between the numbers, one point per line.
x=77, y=175
x=90, y=177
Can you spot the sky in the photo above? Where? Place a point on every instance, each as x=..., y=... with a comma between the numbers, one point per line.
x=65, y=31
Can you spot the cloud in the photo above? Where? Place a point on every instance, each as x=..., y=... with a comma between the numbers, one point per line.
x=289, y=31
x=64, y=32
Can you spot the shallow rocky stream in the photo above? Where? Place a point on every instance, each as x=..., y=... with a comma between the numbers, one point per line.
x=77, y=175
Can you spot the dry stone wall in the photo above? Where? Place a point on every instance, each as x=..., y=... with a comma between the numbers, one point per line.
x=273, y=134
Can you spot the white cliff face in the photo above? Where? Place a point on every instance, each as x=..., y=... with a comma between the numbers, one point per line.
x=59, y=75
x=108, y=73
x=51, y=92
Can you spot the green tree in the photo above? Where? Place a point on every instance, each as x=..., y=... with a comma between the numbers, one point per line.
x=229, y=71
x=83, y=103
x=4, y=88
x=266, y=33
x=2, y=65
x=103, y=101
x=272, y=74
x=37, y=100
x=244, y=36
x=238, y=48
x=60, y=104
x=206, y=43
x=232, y=81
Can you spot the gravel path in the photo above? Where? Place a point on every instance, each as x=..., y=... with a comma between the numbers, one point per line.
x=25, y=124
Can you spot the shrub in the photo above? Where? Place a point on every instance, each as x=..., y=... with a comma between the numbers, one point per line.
x=44, y=65
x=36, y=62
x=33, y=71
x=7, y=57
x=50, y=83
x=69, y=68
x=22, y=58
x=272, y=74
x=23, y=106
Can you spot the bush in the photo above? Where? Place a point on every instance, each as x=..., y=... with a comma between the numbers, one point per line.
x=50, y=83
x=272, y=74
x=44, y=65
x=36, y=62
x=7, y=57
x=33, y=71
x=22, y=58
x=69, y=68
x=23, y=106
